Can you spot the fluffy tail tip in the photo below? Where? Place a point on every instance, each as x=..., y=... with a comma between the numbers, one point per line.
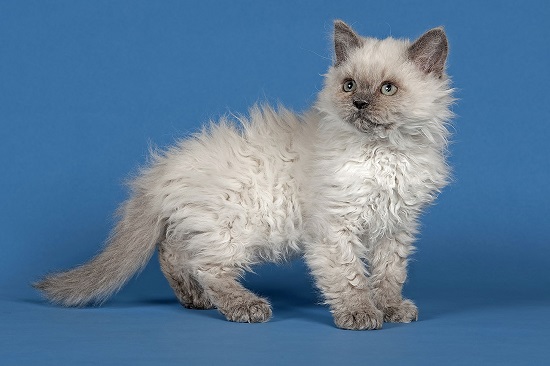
x=54, y=291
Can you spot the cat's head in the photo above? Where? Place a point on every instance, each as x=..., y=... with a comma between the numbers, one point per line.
x=388, y=88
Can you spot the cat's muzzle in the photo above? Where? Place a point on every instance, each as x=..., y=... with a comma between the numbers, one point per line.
x=366, y=124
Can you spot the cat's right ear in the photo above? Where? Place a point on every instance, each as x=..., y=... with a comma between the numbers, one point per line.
x=345, y=39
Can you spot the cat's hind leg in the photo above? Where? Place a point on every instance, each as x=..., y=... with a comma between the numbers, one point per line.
x=215, y=249
x=187, y=289
x=234, y=301
x=210, y=288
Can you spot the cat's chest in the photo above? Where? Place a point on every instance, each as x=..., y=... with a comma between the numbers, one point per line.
x=388, y=184
x=394, y=174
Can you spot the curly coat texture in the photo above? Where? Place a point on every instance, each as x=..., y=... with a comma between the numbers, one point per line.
x=341, y=184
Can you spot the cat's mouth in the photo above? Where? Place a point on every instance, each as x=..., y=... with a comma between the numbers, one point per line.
x=366, y=124
x=376, y=124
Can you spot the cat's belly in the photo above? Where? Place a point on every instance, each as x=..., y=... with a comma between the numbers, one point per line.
x=270, y=222
x=243, y=210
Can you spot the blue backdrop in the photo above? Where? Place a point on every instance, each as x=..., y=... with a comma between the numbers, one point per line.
x=87, y=86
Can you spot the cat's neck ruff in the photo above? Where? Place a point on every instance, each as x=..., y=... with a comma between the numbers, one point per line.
x=333, y=133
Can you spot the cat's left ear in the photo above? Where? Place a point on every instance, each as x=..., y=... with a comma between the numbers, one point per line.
x=429, y=52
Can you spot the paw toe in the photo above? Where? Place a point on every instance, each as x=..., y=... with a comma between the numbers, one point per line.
x=360, y=319
x=405, y=312
x=257, y=311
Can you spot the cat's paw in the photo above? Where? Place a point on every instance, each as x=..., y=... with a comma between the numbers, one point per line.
x=257, y=310
x=404, y=312
x=364, y=318
x=200, y=303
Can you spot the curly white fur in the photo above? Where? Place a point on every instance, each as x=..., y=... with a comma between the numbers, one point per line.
x=265, y=188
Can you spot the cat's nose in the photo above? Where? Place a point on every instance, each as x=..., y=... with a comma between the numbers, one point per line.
x=360, y=104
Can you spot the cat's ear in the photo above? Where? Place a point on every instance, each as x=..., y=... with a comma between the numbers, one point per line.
x=345, y=39
x=429, y=52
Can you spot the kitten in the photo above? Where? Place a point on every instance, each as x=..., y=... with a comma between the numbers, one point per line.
x=344, y=184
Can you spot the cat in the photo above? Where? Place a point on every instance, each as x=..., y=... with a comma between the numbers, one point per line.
x=343, y=184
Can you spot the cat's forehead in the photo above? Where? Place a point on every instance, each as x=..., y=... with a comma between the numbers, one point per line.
x=377, y=59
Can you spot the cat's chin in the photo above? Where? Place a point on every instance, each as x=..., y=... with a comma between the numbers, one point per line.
x=367, y=125
x=373, y=124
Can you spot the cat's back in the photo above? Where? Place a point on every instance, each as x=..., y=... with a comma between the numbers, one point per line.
x=237, y=146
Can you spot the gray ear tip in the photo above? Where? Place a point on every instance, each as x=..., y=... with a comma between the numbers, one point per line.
x=340, y=24
x=439, y=31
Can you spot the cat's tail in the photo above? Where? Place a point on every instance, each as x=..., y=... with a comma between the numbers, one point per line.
x=128, y=250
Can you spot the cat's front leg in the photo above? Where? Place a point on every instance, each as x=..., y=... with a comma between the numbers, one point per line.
x=339, y=272
x=388, y=267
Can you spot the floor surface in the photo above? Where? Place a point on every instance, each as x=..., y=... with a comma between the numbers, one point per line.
x=459, y=327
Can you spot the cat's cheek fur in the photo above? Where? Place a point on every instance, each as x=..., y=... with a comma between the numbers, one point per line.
x=277, y=184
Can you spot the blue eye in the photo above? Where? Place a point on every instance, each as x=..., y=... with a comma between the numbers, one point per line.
x=349, y=86
x=388, y=89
